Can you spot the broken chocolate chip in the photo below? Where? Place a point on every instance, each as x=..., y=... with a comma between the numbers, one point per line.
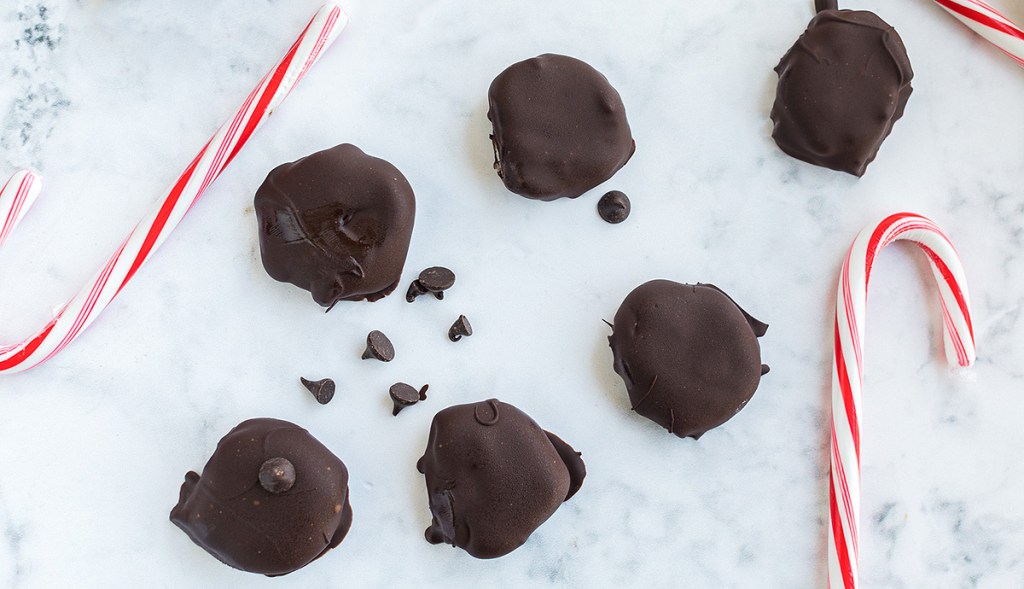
x=415, y=289
x=277, y=475
x=460, y=328
x=322, y=389
x=379, y=347
x=614, y=207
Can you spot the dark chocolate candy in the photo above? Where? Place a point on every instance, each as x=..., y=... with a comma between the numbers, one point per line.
x=437, y=279
x=460, y=328
x=322, y=390
x=614, y=206
x=841, y=88
x=230, y=512
x=493, y=476
x=559, y=128
x=336, y=223
x=404, y=395
x=379, y=347
x=688, y=355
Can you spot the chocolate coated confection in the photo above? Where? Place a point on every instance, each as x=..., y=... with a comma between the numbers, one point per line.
x=270, y=500
x=841, y=88
x=688, y=355
x=493, y=476
x=560, y=128
x=336, y=223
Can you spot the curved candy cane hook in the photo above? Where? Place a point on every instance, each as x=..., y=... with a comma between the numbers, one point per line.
x=847, y=374
x=150, y=233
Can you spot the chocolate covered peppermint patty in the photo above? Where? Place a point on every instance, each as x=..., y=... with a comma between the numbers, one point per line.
x=559, y=127
x=336, y=223
x=270, y=500
x=687, y=353
x=842, y=86
x=493, y=476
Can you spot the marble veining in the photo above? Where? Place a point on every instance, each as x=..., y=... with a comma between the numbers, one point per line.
x=110, y=100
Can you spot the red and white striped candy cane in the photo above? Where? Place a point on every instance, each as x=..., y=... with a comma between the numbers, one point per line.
x=15, y=198
x=847, y=373
x=987, y=22
x=151, y=232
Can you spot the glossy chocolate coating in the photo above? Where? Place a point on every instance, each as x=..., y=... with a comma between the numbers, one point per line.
x=841, y=88
x=493, y=476
x=232, y=516
x=336, y=223
x=559, y=128
x=688, y=355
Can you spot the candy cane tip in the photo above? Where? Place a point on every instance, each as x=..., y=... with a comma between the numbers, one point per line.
x=963, y=373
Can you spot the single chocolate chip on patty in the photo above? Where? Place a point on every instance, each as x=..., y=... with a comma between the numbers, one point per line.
x=277, y=475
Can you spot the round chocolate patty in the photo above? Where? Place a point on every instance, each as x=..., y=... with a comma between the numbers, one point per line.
x=688, y=355
x=255, y=519
x=559, y=128
x=336, y=223
x=493, y=476
x=842, y=86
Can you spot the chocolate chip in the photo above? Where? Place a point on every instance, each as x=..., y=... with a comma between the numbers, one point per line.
x=379, y=347
x=434, y=280
x=437, y=279
x=322, y=389
x=277, y=475
x=423, y=392
x=405, y=395
x=415, y=289
x=460, y=328
x=613, y=207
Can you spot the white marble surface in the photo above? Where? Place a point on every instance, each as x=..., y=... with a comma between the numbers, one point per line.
x=111, y=99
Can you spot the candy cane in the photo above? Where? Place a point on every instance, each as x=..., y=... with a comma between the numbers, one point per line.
x=987, y=22
x=847, y=373
x=150, y=233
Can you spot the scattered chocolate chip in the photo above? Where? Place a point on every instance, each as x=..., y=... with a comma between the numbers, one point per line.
x=613, y=207
x=434, y=280
x=379, y=347
x=460, y=328
x=415, y=289
x=277, y=475
x=423, y=392
x=405, y=395
x=322, y=389
x=437, y=279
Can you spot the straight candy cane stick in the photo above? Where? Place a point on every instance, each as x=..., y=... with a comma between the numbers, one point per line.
x=847, y=373
x=15, y=199
x=987, y=22
x=150, y=233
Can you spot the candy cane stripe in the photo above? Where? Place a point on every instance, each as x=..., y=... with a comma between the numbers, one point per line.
x=19, y=193
x=847, y=382
x=990, y=24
